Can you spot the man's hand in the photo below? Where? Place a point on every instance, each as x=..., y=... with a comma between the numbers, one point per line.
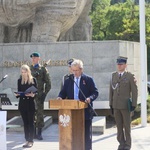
x=88, y=100
x=30, y=94
x=59, y=98
x=16, y=94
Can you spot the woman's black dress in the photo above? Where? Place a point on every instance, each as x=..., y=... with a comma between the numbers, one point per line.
x=27, y=110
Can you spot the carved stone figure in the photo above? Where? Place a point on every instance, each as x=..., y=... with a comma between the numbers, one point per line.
x=82, y=29
x=38, y=20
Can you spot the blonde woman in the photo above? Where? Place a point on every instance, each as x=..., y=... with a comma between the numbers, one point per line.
x=26, y=104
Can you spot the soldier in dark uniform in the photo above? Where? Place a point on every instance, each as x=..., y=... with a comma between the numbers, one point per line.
x=69, y=62
x=44, y=85
x=122, y=88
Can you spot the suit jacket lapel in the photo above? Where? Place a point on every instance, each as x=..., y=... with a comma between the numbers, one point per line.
x=81, y=97
x=72, y=88
x=81, y=81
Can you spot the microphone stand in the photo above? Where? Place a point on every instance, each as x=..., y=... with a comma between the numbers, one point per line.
x=3, y=78
x=94, y=112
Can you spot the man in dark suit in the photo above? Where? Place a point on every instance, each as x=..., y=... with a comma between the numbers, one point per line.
x=81, y=87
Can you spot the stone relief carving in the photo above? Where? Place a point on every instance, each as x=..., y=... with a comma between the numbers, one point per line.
x=43, y=20
x=82, y=29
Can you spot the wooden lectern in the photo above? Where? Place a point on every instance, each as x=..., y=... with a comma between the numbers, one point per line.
x=71, y=123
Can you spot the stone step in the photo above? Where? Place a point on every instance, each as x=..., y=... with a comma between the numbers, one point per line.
x=99, y=124
x=47, y=122
x=16, y=123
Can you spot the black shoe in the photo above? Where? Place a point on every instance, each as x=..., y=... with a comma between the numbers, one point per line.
x=120, y=147
x=39, y=137
x=25, y=145
x=28, y=145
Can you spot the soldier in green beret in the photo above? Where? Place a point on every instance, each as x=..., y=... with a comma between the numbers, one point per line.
x=44, y=85
x=123, y=88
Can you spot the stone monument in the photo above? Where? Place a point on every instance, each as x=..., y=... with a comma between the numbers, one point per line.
x=82, y=29
x=35, y=25
x=44, y=20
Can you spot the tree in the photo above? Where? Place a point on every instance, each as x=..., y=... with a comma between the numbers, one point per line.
x=119, y=22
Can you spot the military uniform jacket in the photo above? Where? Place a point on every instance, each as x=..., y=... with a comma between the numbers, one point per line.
x=43, y=79
x=63, y=80
x=121, y=89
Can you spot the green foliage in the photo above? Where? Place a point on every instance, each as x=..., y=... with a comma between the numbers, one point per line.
x=113, y=22
x=136, y=119
x=119, y=22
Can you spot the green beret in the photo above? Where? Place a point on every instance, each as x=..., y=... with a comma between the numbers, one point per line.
x=35, y=54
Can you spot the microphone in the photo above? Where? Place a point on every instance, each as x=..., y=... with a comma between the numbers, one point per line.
x=4, y=78
x=94, y=112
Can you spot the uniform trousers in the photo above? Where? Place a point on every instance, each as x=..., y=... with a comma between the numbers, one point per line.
x=123, y=120
x=88, y=134
x=39, y=113
x=28, y=120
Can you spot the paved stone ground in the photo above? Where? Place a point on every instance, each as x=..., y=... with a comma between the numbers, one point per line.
x=107, y=141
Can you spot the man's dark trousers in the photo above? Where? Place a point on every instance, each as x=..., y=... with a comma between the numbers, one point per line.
x=88, y=134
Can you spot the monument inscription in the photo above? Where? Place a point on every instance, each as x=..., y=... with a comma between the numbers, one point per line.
x=19, y=63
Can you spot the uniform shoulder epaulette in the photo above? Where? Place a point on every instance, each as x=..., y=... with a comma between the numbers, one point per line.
x=66, y=75
x=43, y=67
x=114, y=72
x=130, y=73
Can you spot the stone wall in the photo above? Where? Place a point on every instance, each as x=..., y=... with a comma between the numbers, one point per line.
x=99, y=58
